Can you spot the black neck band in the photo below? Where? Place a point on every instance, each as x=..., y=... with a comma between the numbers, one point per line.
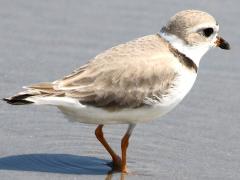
x=181, y=57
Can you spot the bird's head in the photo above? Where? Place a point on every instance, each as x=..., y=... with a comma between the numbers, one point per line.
x=193, y=33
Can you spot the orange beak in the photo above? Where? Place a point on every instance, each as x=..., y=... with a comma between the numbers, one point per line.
x=223, y=44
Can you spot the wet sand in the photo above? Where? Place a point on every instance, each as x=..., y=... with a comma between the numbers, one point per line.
x=44, y=40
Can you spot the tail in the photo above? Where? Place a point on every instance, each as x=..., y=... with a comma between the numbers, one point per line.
x=36, y=90
x=19, y=99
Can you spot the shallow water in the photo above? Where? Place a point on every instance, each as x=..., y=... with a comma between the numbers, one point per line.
x=44, y=40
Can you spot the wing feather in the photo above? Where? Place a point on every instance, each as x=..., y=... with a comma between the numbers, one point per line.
x=123, y=76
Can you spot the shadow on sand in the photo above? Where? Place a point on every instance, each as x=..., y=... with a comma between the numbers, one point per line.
x=56, y=163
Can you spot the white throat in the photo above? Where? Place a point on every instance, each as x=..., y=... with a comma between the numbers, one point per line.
x=193, y=52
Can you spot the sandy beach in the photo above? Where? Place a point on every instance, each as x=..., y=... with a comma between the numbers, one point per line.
x=44, y=40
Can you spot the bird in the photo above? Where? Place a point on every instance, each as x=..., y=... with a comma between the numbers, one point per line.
x=133, y=82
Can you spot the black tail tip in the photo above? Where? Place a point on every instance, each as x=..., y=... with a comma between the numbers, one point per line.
x=6, y=99
x=16, y=101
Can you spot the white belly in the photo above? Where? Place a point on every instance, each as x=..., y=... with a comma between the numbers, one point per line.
x=92, y=115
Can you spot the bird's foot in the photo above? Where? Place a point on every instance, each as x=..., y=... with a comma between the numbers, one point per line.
x=119, y=166
x=124, y=170
x=117, y=163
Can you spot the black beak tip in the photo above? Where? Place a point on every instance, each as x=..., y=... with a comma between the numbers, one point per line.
x=222, y=43
x=225, y=45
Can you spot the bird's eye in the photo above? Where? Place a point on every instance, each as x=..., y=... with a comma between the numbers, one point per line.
x=208, y=32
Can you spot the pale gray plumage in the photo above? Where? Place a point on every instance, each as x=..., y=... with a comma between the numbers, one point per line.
x=183, y=23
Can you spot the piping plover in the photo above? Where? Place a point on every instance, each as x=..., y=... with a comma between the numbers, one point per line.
x=134, y=82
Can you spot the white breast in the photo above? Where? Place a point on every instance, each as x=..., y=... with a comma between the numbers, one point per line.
x=182, y=85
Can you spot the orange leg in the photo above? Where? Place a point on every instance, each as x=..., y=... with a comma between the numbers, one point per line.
x=116, y=159
x=124, y=146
